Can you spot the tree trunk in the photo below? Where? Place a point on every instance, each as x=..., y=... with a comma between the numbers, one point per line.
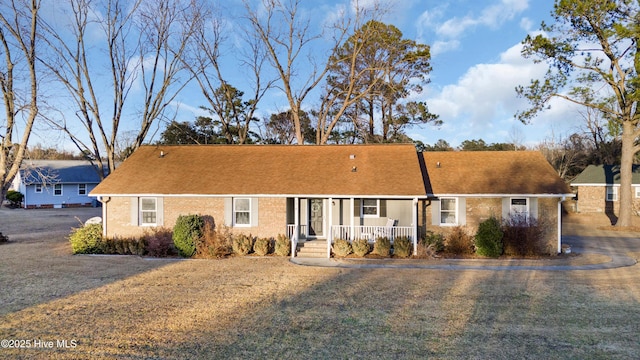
x=626, y=167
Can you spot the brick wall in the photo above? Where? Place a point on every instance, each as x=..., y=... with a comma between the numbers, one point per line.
x=271, y=215
x=591, y=199
x=480, y=209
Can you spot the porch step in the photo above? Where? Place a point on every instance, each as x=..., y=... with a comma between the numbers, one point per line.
x=312, y=249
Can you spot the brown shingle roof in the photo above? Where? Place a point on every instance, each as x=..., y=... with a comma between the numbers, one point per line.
x=491, y=172
x=268, y=170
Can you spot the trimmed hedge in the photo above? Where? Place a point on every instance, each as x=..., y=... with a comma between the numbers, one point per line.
x=488, y=240
x=402, y=247
x=186, y=232
x=341, y=247
x=86, y=239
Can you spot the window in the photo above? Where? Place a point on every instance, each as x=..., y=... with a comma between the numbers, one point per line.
x=38, y=188
x=370, y=207
x=242, y=212
x=82, y=189
x=612, y=193
x=637, y=192
x=519, y=208
x=448, y=211
x=148, y=211
x=57, y=189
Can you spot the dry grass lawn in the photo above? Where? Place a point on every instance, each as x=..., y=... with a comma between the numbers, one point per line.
x=125, y=307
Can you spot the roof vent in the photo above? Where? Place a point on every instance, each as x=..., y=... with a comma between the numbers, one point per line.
x=161, y=153
x=352, y=156
x=354, y=169
x=438, y=164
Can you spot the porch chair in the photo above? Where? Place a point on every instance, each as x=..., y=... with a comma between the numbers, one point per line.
x=387, y=231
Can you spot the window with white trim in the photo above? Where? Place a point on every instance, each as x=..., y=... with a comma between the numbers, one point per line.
x=370, y=207
x=448, y=213
x=38, y=188
x=519, y=207
x=637, y=192
x=148, y=211
x=612, y=193
x=57, y=190
x=242, y=212
x=82, y=189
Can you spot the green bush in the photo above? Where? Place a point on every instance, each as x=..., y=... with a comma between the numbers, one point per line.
x=123, y=246
x=402, y=247
x=3, y=238
x=488, y=240
x=360, y=247
x=242, y=244
x=459, y=242
x=341, y=247
x=86, y=239
x=14, y=197
x=434, y=241
x=186, y=232
x=382, y=246
x=283, y=245
x=262, y=246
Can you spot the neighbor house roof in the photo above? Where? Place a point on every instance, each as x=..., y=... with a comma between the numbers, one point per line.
x=268, y=170
x=58, y=172
x=491, y=173
x=603, y=175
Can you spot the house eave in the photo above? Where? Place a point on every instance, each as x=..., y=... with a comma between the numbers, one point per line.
x=336, y=196
x=568, y=195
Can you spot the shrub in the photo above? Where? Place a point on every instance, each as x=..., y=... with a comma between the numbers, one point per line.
x=3, y=238
x=242, y=244
x=341, y=247
x=488, y=239
x=14, y=197
x=283, y=245
x=123, y=246
x=215, y=242
x=86, y=239
x=524, y=237
x=459, y=242
x=382, y=246
x=262, y=246
x=186, y=232
x=432, y=240
x=402, y=247
x=360, y=247
x=159, y=241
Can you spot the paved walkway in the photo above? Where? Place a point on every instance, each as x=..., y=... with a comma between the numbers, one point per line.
x=598, y=253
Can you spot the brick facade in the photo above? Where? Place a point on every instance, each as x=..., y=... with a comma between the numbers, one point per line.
x=271, y=215
x=478, y=210
x=592, y=199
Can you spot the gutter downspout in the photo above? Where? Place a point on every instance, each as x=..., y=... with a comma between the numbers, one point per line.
x=104, y=202
x=563, y=198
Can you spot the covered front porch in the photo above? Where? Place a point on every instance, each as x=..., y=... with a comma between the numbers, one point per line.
x=325, y=219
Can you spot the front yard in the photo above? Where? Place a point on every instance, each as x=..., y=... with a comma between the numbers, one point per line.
x=253, y=307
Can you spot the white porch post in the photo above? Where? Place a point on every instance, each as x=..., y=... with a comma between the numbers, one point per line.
x=415, y=226
x=560, y=224
x=330, y=226
x=351, y=230
x=296, y=227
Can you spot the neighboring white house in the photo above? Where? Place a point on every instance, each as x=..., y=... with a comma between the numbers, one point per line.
x=56, y=183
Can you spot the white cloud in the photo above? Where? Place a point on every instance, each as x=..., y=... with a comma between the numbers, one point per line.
x=440, y=47
x=492, y=16
x=482, y=103
x=526, y=24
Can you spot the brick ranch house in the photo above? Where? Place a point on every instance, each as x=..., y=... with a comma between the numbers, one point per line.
x=598, y=187
x=315, y=194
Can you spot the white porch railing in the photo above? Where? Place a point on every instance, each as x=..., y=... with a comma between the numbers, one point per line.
x=370, y=233
x=291, y=229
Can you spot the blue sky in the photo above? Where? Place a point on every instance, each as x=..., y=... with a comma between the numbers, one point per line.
x=476, y=63
x=476, y=66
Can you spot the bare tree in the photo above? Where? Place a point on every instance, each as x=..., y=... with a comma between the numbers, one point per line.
x=18, y=37
x=287, y=37
x=144, y=45
x=225, y=102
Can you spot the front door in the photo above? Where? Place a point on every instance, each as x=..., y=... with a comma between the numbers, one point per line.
x=316, y=218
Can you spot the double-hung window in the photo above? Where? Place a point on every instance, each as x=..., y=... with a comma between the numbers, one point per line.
x=448, y=207
x=242, y=212
x=148, y=211
x=519, y=208
x=370, y=207
x=57, y=190
x=38, y=188
x=612, y=193
x=82, y=189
